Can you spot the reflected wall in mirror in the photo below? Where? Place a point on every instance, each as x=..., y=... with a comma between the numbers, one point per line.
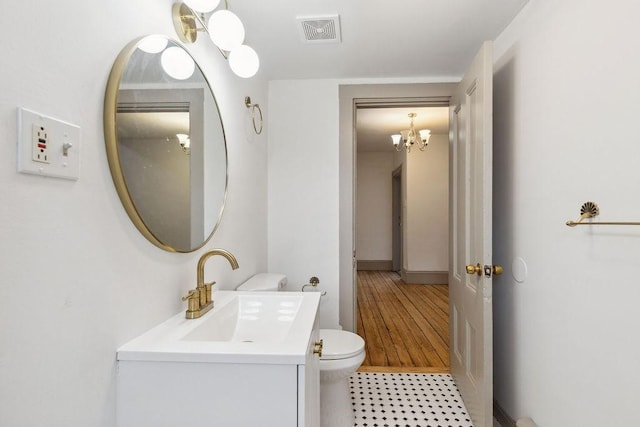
x=165, y=144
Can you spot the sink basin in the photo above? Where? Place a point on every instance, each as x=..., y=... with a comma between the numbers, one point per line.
x=243, y=327
x=250, y=318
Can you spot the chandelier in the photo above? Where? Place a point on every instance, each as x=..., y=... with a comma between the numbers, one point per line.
x=410, y=137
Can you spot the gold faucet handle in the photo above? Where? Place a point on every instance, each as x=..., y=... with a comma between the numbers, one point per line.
x=207, y=287
x=194, y=300
x=192, y=293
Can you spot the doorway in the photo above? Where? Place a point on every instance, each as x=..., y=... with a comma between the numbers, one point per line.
x=471, y=236
x=401, y=231
x=350, y=96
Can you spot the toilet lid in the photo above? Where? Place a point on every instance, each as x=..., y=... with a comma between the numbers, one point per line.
x=339, y=344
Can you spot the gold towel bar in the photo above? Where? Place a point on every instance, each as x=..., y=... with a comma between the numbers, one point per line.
x=590, y=210
x=574, y=223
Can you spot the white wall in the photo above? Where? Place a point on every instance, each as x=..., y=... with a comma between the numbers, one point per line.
x=427, y=208
x=303, y=187
x=374, y=205
x=566, y=339
x=76, y=278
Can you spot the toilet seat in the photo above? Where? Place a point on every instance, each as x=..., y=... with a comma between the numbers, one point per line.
x=340, y=344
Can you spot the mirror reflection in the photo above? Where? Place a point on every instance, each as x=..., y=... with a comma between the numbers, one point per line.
x=165, y=144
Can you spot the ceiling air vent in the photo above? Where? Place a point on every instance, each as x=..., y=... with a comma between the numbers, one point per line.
x=320, y=29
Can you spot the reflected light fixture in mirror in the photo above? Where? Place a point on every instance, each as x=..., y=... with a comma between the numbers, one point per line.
x=224, y=28
x=153, y=44
x=177, y=63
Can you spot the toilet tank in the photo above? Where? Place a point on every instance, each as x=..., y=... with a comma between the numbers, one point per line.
x=264, y=282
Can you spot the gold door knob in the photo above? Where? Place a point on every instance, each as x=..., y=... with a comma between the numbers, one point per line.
x=497, y=270
x=474, y=269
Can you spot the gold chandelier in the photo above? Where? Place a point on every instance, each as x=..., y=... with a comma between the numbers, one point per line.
x=410, y=137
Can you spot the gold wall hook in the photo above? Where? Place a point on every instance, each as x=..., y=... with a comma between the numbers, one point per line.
x=588, y=210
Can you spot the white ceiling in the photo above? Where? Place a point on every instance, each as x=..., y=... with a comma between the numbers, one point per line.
x=152, y=125
x=380, y=39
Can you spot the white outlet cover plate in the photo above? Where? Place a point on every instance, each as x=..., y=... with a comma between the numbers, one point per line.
x=59, y=134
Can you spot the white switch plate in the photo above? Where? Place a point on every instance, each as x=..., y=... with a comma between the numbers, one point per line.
x=60, y=162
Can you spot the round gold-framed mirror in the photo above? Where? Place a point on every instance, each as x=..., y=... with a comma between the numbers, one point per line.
x=166, y=144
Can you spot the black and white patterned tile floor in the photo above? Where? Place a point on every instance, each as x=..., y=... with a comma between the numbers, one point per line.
x=407, y=400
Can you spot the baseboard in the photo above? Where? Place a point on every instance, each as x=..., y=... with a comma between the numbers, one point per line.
x=426, y=277
x=501, y=416
x=404, y=370
x=368, y=264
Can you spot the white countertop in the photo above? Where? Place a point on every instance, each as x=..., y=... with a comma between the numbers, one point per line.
x=166, y=343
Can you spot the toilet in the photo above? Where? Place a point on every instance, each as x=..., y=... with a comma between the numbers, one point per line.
x=342, y=355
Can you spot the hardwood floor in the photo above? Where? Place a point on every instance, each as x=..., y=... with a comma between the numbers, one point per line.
x=405, y=327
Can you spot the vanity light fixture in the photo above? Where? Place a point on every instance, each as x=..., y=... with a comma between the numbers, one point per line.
x=224, y=28
x=185, y=142
x=411, y=137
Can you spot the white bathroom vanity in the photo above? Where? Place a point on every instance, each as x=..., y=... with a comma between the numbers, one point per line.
x=250, y=361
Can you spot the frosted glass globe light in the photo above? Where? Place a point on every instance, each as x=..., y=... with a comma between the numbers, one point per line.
x=153, y=44
x=244, y=61
x=202, y=6
x=226, y=30
x=425, y=134
x=184, y=141
x=177, y=63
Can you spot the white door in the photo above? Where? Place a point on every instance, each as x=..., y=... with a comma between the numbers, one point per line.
x=471, y=268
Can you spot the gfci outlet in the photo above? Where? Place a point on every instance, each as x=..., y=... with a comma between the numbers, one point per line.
x=39, y=144
x=47, y=146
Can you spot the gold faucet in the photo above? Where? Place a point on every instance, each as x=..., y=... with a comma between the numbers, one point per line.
x=200, y=298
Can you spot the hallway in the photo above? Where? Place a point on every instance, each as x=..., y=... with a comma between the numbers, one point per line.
x=405, y=327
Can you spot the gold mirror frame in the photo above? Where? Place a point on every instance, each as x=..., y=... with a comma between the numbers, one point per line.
x=113, y=154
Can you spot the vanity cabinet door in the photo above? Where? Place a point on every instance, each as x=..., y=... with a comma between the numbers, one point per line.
x=309, y=384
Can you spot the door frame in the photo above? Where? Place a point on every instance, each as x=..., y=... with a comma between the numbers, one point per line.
x=350, y=97
x=396, y=218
